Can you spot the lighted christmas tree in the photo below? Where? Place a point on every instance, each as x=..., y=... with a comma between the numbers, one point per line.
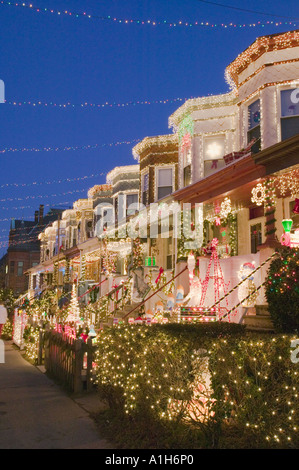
x=282, y=290
x=73, y=308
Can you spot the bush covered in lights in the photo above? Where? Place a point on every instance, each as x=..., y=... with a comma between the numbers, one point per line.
x=216, y=384
x=7, y=330
x=282, y=290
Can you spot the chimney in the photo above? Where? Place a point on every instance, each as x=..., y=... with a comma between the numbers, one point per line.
x=36, y=217
x=41, y=214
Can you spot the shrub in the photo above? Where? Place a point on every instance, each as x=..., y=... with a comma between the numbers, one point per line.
x=214, y=379
x=7, y=330
x=256, y=390
x=282, y=290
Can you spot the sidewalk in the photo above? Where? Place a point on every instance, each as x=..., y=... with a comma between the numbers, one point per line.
x=36, y=414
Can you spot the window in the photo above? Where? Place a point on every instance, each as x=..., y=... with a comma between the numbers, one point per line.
x=187, y=175
x=145, y=184
x=214, y=150
x=255, y=237
x=164, y=182
x=34, y=264
x=187, y=167
x=12, y=267
x=20, y=268
x=131, y=199
x=169, y=256
x=254, y=130
x=289, y=113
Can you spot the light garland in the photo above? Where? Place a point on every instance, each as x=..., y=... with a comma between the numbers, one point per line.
x=258, y=194
x=149, y=142
x=225, y=208
x=168, y=23
x=98, y=189
x=200, y=103
x=86, y=105
x=69, y=148
x=65, y=180
x=261, y=46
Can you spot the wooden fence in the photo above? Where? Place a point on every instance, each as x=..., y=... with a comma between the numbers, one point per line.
x=69, y=361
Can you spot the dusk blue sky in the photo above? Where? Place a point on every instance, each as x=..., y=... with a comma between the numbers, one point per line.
x=50, y=58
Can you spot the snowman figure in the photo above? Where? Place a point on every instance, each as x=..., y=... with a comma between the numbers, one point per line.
x=194, y=296
x=248, y=287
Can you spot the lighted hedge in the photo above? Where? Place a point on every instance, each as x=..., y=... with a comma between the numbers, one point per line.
x=214, y=381
x=282, y=290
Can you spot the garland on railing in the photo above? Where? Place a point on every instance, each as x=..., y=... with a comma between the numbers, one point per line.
x=160, y=280
x=270, y=207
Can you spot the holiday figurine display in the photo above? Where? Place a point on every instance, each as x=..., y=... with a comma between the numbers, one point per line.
x=170, y=301
x=248, y=287
x=180, y=295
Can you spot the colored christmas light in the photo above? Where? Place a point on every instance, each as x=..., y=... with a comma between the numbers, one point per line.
x=143, y=22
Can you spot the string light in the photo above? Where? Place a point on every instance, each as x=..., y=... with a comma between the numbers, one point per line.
x=60, y=149
x=130, y=21
x=92, y=105
x=43, y=196
x=65, y=180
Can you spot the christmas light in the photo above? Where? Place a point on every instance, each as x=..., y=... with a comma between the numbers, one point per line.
x=144, y=22
x=69, y=148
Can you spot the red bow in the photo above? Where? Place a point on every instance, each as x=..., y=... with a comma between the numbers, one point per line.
x=161, y=270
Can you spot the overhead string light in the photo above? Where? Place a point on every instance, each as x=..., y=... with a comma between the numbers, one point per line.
x=33, y=207
x=42, y=196
x=64, y=149
x=86, y=105
x=65, y=180
x=142, y=22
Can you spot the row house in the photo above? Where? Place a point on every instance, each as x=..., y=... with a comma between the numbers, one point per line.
x=23, y=250
x=231, y=158
x=70, y=248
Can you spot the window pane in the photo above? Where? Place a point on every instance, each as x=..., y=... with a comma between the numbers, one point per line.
x=145, y=182
x=165, y=177
x=254, y=115
x=187, y=175
x=20, y=268
x=214, y=147
x=255, y=134
x=131, y=199
x=289, y=107
x=256, y=237
x=164, y=191
x=289, y=127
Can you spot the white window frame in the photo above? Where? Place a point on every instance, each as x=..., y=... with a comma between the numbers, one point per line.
x=163, y=167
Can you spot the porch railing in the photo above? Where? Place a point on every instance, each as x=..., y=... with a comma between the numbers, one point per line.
x=156, y=291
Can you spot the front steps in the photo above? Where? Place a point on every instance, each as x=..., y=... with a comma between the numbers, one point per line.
x=259, y=322
x=120, y=314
